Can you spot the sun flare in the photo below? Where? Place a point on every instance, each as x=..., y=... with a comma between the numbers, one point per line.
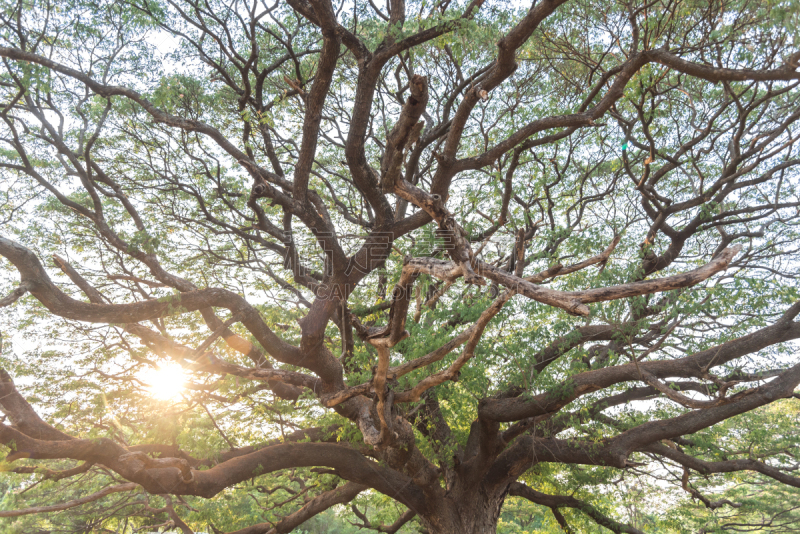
x=166, y=382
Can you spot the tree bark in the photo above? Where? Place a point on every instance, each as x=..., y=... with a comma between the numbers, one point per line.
x=473, y=510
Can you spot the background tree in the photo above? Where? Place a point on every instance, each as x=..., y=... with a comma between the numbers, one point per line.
x=423, y=259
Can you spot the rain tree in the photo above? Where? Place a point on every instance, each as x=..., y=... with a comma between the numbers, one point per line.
x=444, y=266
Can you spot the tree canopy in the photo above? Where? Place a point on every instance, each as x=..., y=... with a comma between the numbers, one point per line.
x=417, y=266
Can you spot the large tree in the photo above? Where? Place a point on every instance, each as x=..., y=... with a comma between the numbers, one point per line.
x=422, y=257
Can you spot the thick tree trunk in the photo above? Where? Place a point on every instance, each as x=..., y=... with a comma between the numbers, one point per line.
x=474, y=513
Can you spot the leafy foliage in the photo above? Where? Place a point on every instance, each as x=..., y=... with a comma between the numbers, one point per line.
x=157, y=149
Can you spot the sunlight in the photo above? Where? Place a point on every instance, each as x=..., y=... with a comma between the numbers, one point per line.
x=164, y=383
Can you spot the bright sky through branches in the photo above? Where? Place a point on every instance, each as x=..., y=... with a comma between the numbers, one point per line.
x=166, y=382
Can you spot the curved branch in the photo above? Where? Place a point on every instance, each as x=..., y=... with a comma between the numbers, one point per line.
x=70, y=504
x=159, y=478
x=157, y=114
x=320, y=503
x=518, y=489
x=574, y=302
x=22, y=414
x=14, y=296
x=41, y=287
x=696, y=365
x=726, y=466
